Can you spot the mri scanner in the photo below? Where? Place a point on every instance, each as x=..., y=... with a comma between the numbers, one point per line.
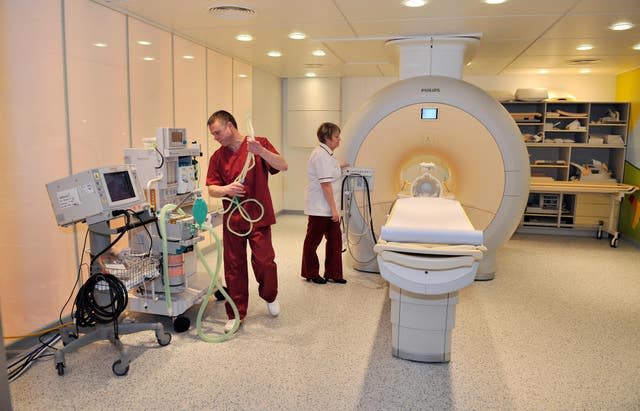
x=430, y=247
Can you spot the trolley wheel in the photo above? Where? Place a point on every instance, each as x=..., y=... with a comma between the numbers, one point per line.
x=60, y=368
x=614, y=242
x=219, y=295
x=118, y=369
x=164, y=341
x=181, y=324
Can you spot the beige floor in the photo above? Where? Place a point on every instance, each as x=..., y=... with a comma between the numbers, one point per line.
x=558, y=328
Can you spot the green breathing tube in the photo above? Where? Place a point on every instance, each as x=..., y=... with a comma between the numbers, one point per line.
x=214, y=284
x=199, y=211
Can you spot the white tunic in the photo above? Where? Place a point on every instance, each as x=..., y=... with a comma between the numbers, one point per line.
x=322, y=167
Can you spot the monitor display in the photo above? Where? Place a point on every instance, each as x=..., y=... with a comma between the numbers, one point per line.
x=176, y=137
x=429, y=113
x=119, y=185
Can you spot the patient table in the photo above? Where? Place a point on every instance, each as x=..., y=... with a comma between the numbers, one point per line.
x=428, y=250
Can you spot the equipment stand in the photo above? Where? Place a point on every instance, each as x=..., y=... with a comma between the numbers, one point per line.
x=100, y=239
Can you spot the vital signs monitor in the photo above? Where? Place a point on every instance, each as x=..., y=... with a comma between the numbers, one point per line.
x=93, y=195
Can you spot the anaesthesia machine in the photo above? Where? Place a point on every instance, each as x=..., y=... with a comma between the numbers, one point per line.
x=168, y=164
x=152, y=274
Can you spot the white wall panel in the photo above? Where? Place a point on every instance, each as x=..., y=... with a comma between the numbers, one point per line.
x=242, y=94
x=189, y=72
x=151, y=83
x=219, y=82
x=190, y=91
x=97, y=84
x=219, y=97
x=267, y=121
x=38, y=262
x=307, y=104
x=313, y=94
x=302, y=126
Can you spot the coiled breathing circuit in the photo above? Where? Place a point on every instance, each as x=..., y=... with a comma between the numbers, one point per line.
x=235, y=204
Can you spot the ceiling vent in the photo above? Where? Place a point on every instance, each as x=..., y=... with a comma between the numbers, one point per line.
x=584, y=61
x=231, y=11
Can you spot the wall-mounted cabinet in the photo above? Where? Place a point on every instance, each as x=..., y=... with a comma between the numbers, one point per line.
x=572, y=142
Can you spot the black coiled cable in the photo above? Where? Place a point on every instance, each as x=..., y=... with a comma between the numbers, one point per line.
x=90, y=312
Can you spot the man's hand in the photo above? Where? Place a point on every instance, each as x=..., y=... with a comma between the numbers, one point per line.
x=235, y=189
x=254, y=147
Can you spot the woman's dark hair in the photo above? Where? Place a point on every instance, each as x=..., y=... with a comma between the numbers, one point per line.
x=326, y=130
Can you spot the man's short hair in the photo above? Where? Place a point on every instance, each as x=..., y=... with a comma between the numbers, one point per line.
x=222, y=116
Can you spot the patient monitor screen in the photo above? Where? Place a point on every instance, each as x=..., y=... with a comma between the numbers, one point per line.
x=176, y=136
x=119, y=185
x=429, y=113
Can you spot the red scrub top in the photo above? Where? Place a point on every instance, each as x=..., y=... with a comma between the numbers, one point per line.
x=224, y=168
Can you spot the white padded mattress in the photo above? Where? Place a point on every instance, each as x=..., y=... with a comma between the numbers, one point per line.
x=431, y=220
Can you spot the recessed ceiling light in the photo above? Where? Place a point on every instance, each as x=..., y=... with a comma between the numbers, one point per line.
x=244, y=37
x=636, y=47
x=318, y=53
x=621, y=25
x=148, y=58
x=296, y=35
x=414, y=3
x=274, y=53
x=543, y=71
x=242, y=75
x=585, y=71
x=495, y=1
x=188, y=57
x=584, y=47
x=99, y=45
x=144, y=42
x=310, y=74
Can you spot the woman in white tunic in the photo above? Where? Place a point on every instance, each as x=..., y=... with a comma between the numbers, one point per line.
x=321, y=207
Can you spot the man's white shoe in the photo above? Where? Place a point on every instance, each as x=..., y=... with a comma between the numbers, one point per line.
x=229, y=325
x=274, y=308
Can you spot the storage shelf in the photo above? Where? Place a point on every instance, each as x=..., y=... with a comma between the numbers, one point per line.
x=563, y=199
x=566, y=118
x=576, y=145
x=537, y=224
x=566, y=131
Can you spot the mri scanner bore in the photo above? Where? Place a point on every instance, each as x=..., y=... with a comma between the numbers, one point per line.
x=474, y=144
x=443, y=229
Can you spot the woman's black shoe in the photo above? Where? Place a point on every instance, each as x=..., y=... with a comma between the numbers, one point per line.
x=317, y=280
x=337, y=281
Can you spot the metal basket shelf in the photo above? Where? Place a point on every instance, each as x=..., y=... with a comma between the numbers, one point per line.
x=135, y=270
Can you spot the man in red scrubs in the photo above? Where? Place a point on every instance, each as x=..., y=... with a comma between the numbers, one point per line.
x=225, y=167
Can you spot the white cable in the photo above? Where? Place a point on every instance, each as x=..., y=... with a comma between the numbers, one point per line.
x=40, y=350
